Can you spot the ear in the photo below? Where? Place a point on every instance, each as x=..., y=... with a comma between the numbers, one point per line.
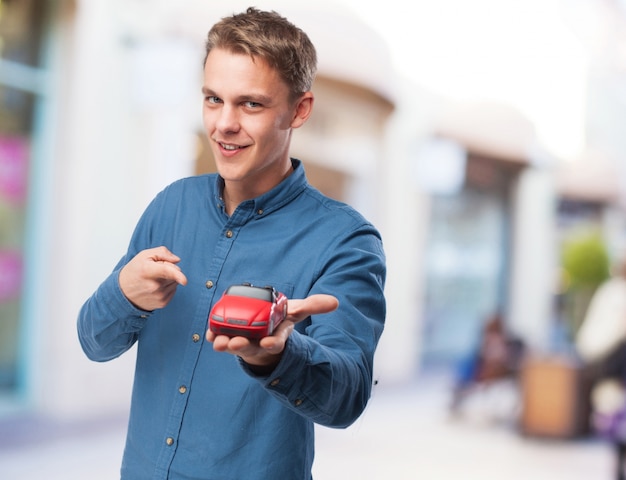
x=303, y=109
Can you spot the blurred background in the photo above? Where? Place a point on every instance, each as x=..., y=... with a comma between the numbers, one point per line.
x=482, y=137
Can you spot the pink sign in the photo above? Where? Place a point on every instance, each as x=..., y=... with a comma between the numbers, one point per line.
x=10, y=275
x=13, y=169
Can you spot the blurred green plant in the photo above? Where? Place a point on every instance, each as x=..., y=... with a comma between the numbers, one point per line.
x=586, y=260
x=586, y=265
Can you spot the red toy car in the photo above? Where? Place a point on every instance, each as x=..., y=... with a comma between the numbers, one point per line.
x=248, y=311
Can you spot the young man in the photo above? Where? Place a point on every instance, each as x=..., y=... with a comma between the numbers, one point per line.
x=233, y=408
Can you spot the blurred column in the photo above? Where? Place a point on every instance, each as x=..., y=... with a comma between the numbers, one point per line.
x=534, y=263
x=404, y=232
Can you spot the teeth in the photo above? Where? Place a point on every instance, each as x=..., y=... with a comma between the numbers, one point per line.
x=229, y=147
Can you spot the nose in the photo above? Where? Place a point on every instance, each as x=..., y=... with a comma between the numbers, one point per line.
x=227, y=120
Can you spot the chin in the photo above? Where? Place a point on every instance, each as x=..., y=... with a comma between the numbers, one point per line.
x=231, y=173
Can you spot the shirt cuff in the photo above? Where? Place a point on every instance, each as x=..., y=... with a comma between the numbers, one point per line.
x=119, y=305
x=291, y=364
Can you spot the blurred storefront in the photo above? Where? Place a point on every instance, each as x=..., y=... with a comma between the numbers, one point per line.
x=108, y=113
x=474, y=240
x=468, y=251
x=23, y=31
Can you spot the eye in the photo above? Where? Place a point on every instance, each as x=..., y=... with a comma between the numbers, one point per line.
x=212, y=99
x=251, y=104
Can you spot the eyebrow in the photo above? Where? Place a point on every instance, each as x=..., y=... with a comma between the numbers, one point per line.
x=208, y=92
x=257, y=98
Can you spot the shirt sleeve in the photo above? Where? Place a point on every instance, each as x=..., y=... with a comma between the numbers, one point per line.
x=108, y=323
x=325, y=373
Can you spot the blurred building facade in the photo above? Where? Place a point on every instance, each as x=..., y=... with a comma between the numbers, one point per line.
x=101, y=110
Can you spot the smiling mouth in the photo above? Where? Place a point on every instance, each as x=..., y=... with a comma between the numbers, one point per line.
x=230, y=147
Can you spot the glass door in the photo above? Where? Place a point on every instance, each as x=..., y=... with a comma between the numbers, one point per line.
x=465, y=272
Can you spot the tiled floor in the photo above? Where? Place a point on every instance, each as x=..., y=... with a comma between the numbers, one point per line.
x=409, y=435
x=405, y=433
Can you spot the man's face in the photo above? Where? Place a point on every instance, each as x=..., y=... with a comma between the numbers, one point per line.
x=248, y=119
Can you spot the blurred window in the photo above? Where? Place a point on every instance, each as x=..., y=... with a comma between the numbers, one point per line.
x=466, y=270
x=21, y=30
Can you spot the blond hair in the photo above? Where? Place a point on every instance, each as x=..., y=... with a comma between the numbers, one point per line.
x=267, y=35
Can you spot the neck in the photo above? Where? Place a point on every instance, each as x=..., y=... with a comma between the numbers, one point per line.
x=233, y=194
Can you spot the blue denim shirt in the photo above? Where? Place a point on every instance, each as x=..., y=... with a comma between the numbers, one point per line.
x=200, y=414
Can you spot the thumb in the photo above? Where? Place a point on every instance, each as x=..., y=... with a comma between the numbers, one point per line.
x=298, y=310
x=162, y=254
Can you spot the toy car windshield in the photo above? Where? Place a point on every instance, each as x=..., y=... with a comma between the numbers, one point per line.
x=261, y=293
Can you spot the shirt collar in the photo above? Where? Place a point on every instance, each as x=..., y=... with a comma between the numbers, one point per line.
x=277, y=196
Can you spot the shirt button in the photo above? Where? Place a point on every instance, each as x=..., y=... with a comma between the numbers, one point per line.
x=182, y=389
x=229, y=233
x=195, y=337
x=298, y=402
x=275, y=382
x=169, y=441
x=209, y=284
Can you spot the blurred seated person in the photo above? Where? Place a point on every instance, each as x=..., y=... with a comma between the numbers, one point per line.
x=601, y=344
x=497, y=357
x=601, y=339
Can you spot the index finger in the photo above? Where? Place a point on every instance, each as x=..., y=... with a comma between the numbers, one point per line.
x=170, y=271
x=162, y=253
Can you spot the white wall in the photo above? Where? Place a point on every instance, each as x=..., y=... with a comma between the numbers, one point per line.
x=122, y=120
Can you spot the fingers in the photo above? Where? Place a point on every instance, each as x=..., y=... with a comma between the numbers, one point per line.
x=165, y=265
x=275, y=343
x=237, y=345
x=240, y=346
x=150, y=279
x=264, y=354
x=173, y=273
